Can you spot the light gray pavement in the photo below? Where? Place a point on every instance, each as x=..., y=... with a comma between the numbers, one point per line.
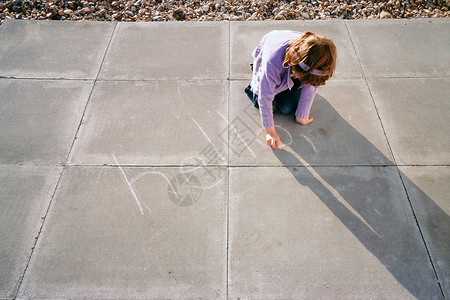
x=132, y=165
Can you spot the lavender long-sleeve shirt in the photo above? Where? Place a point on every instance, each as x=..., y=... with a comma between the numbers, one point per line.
x=270, y=77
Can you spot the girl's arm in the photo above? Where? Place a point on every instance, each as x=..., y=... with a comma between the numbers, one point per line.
x=268, y=82
x=304, y=104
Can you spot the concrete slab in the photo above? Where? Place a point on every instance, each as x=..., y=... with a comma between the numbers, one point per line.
x=39, y=119
x=315, y=232
x=345, y=131
x=428, y=190
x=168, y=51
x=53, y=49
x=25, y=196
x=150, y=123
x=96, y=243
x=402, y=48
x=415, y=115
x=246, y=35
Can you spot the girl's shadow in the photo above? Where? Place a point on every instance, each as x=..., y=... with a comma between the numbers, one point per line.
x=377, y=210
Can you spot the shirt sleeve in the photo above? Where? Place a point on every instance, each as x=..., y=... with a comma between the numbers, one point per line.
x=305, y=101
x=267, y=93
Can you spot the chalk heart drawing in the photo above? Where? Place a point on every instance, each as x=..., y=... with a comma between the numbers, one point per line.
x=184, y=189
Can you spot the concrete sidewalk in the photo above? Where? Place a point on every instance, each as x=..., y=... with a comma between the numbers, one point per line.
x=133, y=166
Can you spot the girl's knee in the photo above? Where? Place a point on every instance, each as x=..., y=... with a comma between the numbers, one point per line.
x=287, y=108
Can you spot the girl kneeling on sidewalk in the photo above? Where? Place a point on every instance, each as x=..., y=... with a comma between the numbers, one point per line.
x=288, y=67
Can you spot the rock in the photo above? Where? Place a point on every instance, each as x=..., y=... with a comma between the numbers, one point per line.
x=179, y=14
x=385, y=15
x=216, y=10
x=253, y=17
x=304, y=15
x=369, y=9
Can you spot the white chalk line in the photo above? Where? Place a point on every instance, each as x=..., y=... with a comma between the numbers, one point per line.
x=71, y=94
x=203, y=187
x=234, y=129
x=129, y=185
x=176, y=115
x=182, y=102
x=172, y=189
x=155, y=173
x=179, y=95
x=143, y=202
x=98, y=176
x=310, y=142
x=209, y=140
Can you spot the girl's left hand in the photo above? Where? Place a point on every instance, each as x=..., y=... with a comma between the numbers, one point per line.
x=304, y=121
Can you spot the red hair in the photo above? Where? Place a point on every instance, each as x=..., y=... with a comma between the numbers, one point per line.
x=316, y=51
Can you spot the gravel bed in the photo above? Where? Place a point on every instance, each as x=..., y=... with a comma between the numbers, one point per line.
x=218, y=10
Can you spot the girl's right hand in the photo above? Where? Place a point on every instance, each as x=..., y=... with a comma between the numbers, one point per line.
x=272, y=138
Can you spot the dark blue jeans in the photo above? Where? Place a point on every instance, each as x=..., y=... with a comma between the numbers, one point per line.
x=285, y=102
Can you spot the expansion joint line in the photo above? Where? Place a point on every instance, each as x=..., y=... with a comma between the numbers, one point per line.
x=370, y=92
x=38, y=235
x=90, y=94
x=421, y=233
x=43, y=218
x=395, y=161
x=228, y=159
